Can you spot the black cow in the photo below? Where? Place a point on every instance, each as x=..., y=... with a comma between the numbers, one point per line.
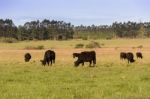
x=130, y=57
x=49, y=56
x=86, y=56
x=123, y=55
x=27, y=57
x=139, y=55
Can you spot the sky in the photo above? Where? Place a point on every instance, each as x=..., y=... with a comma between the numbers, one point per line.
x=86, y=12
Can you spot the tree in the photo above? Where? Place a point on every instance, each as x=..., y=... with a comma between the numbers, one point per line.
x=141, y=30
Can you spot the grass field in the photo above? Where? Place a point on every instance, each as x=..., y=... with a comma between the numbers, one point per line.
x=110, y=79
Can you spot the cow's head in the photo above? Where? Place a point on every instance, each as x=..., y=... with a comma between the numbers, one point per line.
x=76, y=55
x=76, y=63
x=43, y=62
x=26, y=60
x=132, y=60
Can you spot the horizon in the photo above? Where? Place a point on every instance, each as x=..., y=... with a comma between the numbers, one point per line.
x=77, y=12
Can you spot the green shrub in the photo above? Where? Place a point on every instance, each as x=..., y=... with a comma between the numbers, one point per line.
x=84, y=38
x=93, y=45
x=29, y=47
x=79, y=45
x=40, y=47
x=140, y=46
x=108, y=38
x=8, y=40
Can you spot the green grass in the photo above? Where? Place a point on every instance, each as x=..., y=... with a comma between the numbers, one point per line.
x=32, y=81
x=110, y=79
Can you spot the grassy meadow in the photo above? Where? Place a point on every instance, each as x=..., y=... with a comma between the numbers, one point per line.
x=110, y=79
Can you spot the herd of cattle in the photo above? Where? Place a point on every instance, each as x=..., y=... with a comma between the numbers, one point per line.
x=130, y=57
x=85, y=56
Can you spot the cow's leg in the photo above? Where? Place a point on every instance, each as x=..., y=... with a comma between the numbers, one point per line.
x=51, y=62
x=78, y=64
x=90, y=63
x=128, y=61
x=93, y=63
x=48, y=63
x=82, y=63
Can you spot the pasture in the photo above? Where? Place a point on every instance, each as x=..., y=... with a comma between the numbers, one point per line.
x=110, y=79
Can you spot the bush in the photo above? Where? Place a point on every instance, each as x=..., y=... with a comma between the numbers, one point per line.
x=79, y=45
x=40, y=47
x=8, y=40
x=108, y=38
x=93, y=45
x=84, y=38
x=140, y=46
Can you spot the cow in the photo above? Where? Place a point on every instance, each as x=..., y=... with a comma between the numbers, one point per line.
x=86, y=56
x=49, y=57
x=139, y=55
x=123, y=55
x=130, y=57
x=27, y=57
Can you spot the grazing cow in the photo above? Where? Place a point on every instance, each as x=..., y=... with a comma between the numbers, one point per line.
x=27, y=57
x=86, y=56
x=130, y=57
x=139, y=55
x=49, y=56
x=123, y=55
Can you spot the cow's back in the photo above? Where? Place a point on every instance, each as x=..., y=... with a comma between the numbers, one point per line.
x=87, y=55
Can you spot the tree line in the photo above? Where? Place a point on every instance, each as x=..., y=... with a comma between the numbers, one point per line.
x=116, y=30
x=60, y=30
x=36, y=30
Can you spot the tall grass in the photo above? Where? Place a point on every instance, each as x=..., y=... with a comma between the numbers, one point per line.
x=32, y=81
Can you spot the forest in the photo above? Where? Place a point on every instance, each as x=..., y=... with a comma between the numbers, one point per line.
x=60, y=30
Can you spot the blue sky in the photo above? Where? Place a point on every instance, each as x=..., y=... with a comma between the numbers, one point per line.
x=86, y=12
